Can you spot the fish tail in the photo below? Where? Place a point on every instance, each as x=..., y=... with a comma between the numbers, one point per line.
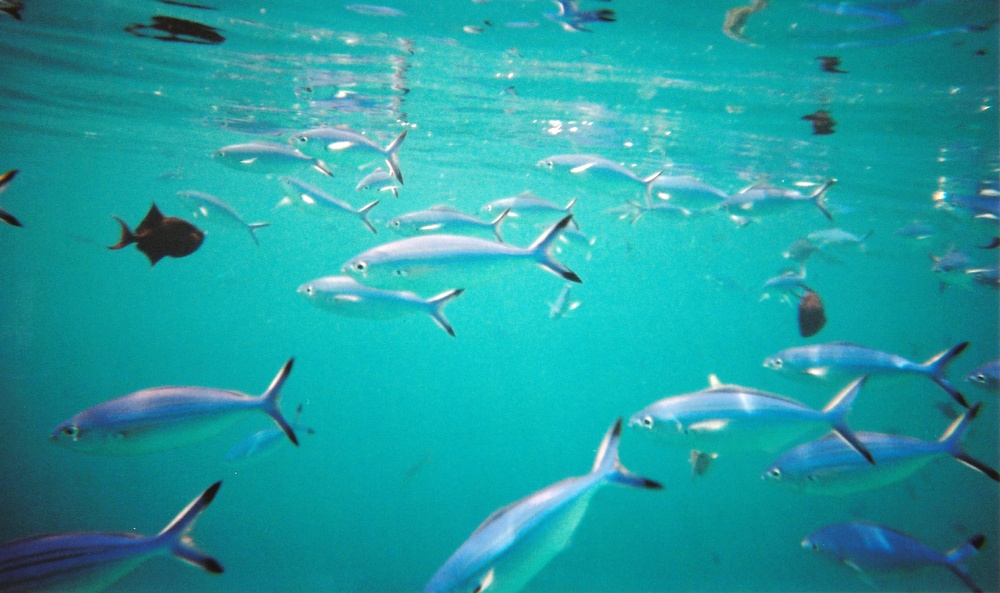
x=271, y=397
x=837, y=411
x=363, y=213
x=127, y=237
x=607, y=464
x=175, y=535
x=496, y=222
x=958, y=557
x=938, y=364
x=392, y=156
x=322, y=167
x=9, y=218
x=437, y=304
x=951, y=440
x=541, y=247
x=648, y=182
x=569, y=207
x=253, y=226
x=818, y=197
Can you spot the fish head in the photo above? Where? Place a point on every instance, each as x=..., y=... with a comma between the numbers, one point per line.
x=308, y=143
x=356, y=267
x=77, y=434
x=775, y=363
x=657, y=423
x=67, y=433
x=307, y=290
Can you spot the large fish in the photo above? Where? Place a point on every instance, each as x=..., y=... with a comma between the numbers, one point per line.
x=444, y=219
x=866, y=547
x=761, y=199
x=5, y=216
x=322, y=142
x=159, y=236
x=725, y=418
x=516, y=542
x=267, y=158
x=845, y=358
x=212, y=208
x=313, y=199
x=443, y=260
x=88, y=562
x=165, y=417
x=345, y=296
x=830, y=466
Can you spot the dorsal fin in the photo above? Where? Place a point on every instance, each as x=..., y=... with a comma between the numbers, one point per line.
x=713, y=381
x=154, y=218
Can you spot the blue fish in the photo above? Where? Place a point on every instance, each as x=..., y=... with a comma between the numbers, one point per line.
x=831, y=466
x=822, y=360
x=867, y=547
x=88, y=562
x=263, y=442
x=267, y=158
x=165, y=417
x=314, y=200
x=986, y=375
x=761, y=199
x=517, y=541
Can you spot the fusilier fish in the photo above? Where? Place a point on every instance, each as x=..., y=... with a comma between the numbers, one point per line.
x=323, y=142
x=165, y=417
x=867, y=547
x=88, y=562
x=267, y=158
x=313, y=199
x=726, y=418
x=687, y=189
x=444, y=219
x=845, y=358
x=440, y=260
x=839, y=238
x=212, y=208
x=526, y=205
x=379, y=180
x=262, y=442
x=345, y=296
x=832, y=467
x=596, y=166
x=516, y=542
x=986, y=375
x=761, y=199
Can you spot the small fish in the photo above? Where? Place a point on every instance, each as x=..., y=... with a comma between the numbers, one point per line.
x=527, y=205
x=516, y=542
x=830, y=466
x=92, y=561
x=736, y=19
x=5, y=216
x=159, y=236
x=726, y=418
x=177, y=30
x=985, y=205
x=812, y=314
x=684, y=188
x=572, y=19
x=564, y=303
x=165, y=417
x=917, y=231
x=839, y=238
x=267, y=158
x=345, y=296
x=315, y=200
x=830, y=64
x=379, y=180
x=824, y=360
x=593, y=165
x=986, y=375
x=866, y=547
x=821, y=121
x=788, y=282
x=444, y=219
x=761, y=198
x=321, y=142
x=662, y=210
x=212, y=208
x=700, y=462
x=437, y=260
x=800, y=250
x=262, y=442
x=952, y=261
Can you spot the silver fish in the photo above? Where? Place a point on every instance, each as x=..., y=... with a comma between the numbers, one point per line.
x=839, y=238
x=822, y=360
x=313, y=199
x=88, y=562
x=596, y=166
x=564, y=303
x=980, y=205
x=444, y=219
x=263, y=442
x=987, y=276
x=267, y=158
x=212, y=208
x=830, y=466
x=789, y=282
x=683, y=188
x=916, y=230
x=442, y=260
x=516, y=542
x=986, y=375
x=379, y=180
x=345, y=296
x=527, y=205
x=322, y=142
x=165, y=417
x=867, y=547
x=761, y=199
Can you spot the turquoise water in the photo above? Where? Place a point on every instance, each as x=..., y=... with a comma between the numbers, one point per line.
x=419, y=436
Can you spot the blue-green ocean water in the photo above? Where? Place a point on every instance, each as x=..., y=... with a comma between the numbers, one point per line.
x=419, y=436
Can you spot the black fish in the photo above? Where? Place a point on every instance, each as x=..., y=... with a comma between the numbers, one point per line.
x=830, y=64
x=821, y=121
x=812, y=316
x=158, y=236
x=5, y=216
x=181, y=30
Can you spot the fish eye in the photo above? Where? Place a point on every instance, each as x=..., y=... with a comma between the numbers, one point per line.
x=309, y=289
x=980, y=378
x=72, y=431
x=775, y=473
x=303, y=139
x=776, y=363
x=647, y=421
x=360, y=266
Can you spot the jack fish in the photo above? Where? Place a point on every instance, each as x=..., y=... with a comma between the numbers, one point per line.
x=321, y=142
x=760, y=199
x=212, y=208
x=444, y=219
x=267, y=158
x=313, y=199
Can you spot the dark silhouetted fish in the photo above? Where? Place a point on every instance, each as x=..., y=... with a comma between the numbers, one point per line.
x=12, y=7
x=821, y=121
x=830, y=64
x=5, y=216
x=158, y=236
x=187, y=5
x=181, y=30
x=812, y=316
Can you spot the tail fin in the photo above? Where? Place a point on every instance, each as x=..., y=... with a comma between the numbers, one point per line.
x=436, y=305
x=253, y=226
x=541, y=247
x=271, y=397
x=569, y=207
x=648, y=182
x=936, y=366
x=952, y=442
x=363, y=213
x=127, y=237
x=820, y=193
x=836, y=412
x=9, y=218
x=607, y=464
x=496, y=224
x=322, y=167
x=392, y=156
x=957, y=558
x=175, y=535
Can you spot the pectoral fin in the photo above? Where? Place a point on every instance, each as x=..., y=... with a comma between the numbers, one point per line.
x=819, y=372
x=343, y=145
x=347, y=298
x=582, y=168
x=704, y=426
x=485, y=583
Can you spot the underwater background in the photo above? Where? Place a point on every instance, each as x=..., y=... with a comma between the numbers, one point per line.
x=420, y=436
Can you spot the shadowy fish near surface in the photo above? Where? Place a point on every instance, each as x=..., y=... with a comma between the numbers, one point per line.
x=12, y=8
x=89, y=562
x=166, y=417
x=5, y=216
x=159, y=236
x=822, y=123
x=986, y=375
x=181, y=30
x=830, y=64
x=572, y=19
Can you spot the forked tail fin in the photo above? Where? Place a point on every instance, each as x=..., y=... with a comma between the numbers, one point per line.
x=175, y=535
x=542, y=246
x=607, y=464
x=271, y=397
x=938, y=364
x=127, y=237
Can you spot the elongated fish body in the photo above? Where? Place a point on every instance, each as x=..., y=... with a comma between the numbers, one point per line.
x=88, y=562
x=980, y=205
x=313, y=199
x=515, y=542
x=379, y=180
x=845, y=358
x=831, y=467
x=442, y=219
x=597, y=167
x=266, y=158
x=345, y=296
x=867, y=547
x=529, y=208
x=726, y=418
x=212, y=208
x=764, y=200
x=166, y=417
x=662, y=210
x=263, y=442
x=687, y=190
x=987, y=375
x=441, y=261
x=322, y=143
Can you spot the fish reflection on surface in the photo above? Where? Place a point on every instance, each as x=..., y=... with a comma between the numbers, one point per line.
x=181, y=30
x=830, y=64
